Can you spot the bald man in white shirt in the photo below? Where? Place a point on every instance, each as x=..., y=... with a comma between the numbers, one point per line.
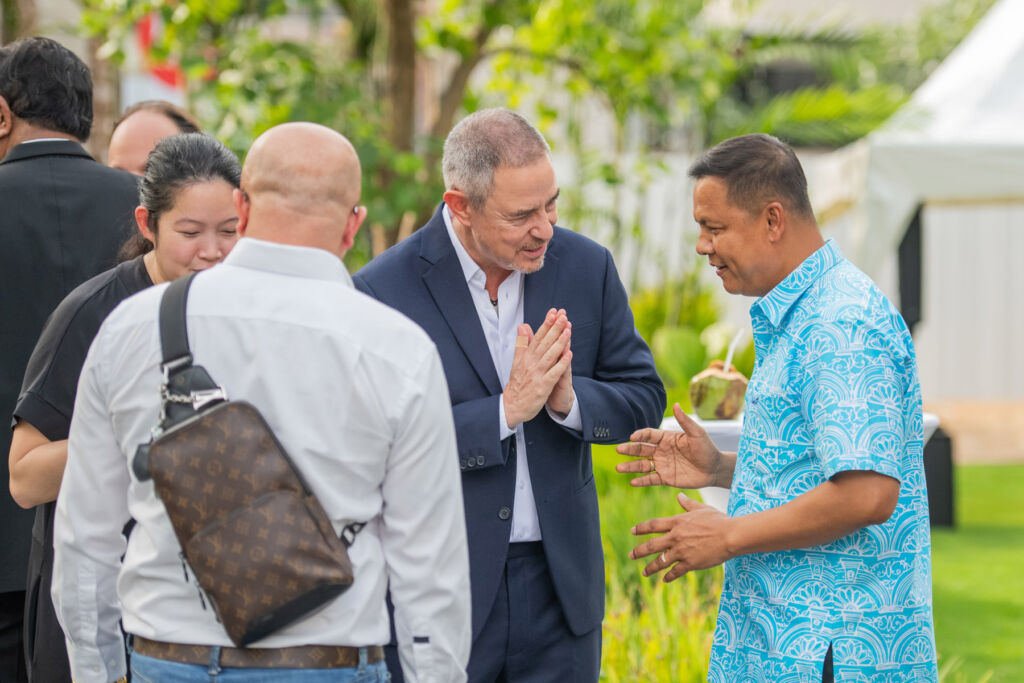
x=356, y=394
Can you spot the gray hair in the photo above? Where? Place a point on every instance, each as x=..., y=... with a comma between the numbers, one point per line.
x=483, y=142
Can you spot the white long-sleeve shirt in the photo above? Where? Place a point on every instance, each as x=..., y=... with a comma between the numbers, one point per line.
x=500, y=324
x=356, y=394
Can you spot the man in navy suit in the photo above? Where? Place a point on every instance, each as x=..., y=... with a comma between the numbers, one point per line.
x=542, y=359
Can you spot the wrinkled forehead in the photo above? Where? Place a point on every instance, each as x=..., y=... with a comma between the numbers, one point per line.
x=532, y=184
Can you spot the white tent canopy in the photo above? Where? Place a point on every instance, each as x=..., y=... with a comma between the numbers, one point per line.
x=959, y=139
x=957, y=149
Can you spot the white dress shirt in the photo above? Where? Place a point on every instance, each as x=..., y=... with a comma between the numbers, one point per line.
x=356, y=394
x=500, y=325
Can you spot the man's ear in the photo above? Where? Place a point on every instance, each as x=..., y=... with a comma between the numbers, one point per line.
x=775, y=220
x=241, y=201
x=348, y=236
x=142, y=220
x=6, y=118
x=458, y=203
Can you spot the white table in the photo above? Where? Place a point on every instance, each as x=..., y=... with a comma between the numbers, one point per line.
x=726, y=435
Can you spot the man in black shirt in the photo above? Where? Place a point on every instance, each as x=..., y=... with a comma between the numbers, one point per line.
x=62, y=219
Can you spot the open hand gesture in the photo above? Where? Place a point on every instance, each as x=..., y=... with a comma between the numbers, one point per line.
x=686, y=459
x=692, y=540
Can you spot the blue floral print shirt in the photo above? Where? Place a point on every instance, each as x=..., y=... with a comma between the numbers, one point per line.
x=834, y=388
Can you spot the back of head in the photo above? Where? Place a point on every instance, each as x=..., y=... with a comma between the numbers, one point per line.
x=182, y=119
x=302, y=182
x=483, y=142
x=46, y=85
x=142, y=126
x=757, y=169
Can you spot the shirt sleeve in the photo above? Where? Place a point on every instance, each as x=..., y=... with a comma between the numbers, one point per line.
x=503, y=429
x=424, y=535
x=854, y=399
x=51, y=377
x=88, y=544
x=571, y=421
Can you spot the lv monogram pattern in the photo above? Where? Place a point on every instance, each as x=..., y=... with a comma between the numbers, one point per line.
x=256, y=541
x=834, y=388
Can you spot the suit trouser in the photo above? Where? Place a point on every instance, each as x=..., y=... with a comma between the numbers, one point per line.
x=526, y=638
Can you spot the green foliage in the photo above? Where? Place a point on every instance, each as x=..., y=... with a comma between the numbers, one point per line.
x=686, y=302
x=681, y=322
x=829, y=116
x=978, y=588
x=652, y=631
x=679, y=354
x=861, y=79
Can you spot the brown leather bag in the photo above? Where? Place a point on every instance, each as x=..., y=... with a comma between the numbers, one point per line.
x=258, y=541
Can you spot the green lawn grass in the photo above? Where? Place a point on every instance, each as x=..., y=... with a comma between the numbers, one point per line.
x=657, y=632
x=978, y=576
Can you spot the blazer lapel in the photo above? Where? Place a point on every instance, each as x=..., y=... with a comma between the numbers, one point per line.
x=539, y=290
x=447, y=285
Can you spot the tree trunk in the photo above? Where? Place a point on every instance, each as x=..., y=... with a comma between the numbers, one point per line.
x=401, y=92
x=401, y=73
x=18, y=19
x=106, y=101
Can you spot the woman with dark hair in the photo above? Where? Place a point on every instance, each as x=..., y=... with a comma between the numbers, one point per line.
x=188, y=223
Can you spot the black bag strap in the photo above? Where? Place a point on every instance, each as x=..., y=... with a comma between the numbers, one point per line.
x=187, y=389
x=173, y=325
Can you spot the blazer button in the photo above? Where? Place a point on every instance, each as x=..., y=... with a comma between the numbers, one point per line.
x=504, y=513
x=479, y=460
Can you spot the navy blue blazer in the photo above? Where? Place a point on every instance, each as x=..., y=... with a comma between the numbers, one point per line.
x=616, y=385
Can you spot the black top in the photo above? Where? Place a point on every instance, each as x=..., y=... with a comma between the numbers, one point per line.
x=63, y=217
x=47, y=401
x=51, y=378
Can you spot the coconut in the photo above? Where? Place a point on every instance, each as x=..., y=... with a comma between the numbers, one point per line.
x=717, y=393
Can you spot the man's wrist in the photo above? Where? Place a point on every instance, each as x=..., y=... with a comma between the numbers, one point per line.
x=557, y=410
x=510, y=421
x=732, y=534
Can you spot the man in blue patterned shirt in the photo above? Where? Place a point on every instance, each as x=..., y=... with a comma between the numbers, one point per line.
x=826, y=543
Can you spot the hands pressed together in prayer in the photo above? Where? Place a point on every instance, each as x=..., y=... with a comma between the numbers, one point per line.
x=541, y=370
x=696, y=538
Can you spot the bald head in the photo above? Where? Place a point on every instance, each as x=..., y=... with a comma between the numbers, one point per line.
x=302, y=182
x=136, y=136
x=305, y=165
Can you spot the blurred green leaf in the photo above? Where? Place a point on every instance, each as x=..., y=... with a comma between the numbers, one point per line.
x=678, y=354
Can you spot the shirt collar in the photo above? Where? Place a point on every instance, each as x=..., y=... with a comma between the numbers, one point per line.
x=287, y=259
x=776, y=304
x=29, y=142
x=470, y=269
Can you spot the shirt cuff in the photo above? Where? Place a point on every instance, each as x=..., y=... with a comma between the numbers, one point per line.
x=572, y=420
x=503, y=430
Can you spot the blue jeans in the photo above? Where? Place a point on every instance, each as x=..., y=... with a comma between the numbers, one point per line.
x=152, y=670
